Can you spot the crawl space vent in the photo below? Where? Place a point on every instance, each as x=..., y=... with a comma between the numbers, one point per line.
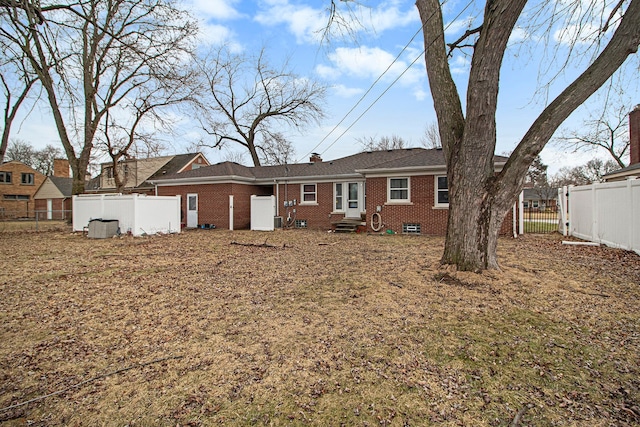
x=411, y=228
x=301, y=223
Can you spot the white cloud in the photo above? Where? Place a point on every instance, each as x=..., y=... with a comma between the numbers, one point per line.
x=518, y=35
x=386, y=17
x=308, y=24
x=420, y=94
x=346, y=92
x=575, y=33
x=209, y=13
x=370, y=63
x=327, y=72
x=216, y=35
x=215, y=9
x=459, y=65
x=304, y=22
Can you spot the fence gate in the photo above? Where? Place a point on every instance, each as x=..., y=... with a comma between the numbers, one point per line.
x=540, y=215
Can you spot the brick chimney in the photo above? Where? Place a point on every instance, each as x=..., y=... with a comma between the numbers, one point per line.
x=315, y=158
x=61, y=168
x=634, y=135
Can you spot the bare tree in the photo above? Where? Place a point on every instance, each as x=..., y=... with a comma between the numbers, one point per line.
x=40, y=160
x=247, y=101
x=127, y=134
x=21, y=151
x=479, y=198
x=91, y=55
x=608, y=131
x=431, y=136
x=17, y=80
x=589, y=173
x=392, y=142
x=43, y=159
x=277, y=150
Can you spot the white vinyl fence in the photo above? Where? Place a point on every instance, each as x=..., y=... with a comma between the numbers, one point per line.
x=137, y=214
x=607, y=213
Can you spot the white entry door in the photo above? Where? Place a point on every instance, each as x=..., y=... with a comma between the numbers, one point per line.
x=192, y=210
x=49, y=209
x=353, y=200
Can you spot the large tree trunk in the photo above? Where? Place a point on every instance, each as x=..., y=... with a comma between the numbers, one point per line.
x=479, y=198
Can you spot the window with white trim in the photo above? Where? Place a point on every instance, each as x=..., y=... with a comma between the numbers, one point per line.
x=442, y=191
x=308, y=193
x=338, y=200
x=398, y=190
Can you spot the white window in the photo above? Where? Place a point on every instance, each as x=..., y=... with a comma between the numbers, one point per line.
x=442, y=191
x=308, y=193
x=338, y=205
x=398, y=190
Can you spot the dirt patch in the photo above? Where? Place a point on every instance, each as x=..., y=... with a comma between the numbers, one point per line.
x=298, y=327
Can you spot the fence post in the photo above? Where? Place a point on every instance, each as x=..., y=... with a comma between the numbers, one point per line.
x=631, y=216
x=521, y=212
x=594, y=215
x=562, y=209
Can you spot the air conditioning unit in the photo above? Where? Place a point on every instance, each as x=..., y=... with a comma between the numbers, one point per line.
x=277, y=222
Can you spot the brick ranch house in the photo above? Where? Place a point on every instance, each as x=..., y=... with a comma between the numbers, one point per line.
x=406, y=188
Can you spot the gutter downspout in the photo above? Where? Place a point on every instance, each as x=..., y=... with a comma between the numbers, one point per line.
x=277, y=197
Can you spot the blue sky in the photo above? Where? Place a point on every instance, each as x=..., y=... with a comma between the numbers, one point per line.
x=290, y=29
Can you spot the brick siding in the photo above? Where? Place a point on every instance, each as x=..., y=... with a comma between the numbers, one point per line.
x=213, y=202
x=213, y=205
x=318, y=216
x=11, y=208
x=634, y=136
x=421, y=209
x=61, y=208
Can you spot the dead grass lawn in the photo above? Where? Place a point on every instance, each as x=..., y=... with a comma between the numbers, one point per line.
x=322, y=329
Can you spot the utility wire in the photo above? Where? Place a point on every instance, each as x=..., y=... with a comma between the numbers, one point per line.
x=388, y=87
x=367, y=91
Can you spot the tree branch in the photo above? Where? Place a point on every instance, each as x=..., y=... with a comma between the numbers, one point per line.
x=456, y=44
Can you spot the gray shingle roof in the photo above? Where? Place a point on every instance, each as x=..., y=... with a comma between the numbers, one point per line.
x=65, y=185
x=345, y=166
x=630, y=168
x=173, y=166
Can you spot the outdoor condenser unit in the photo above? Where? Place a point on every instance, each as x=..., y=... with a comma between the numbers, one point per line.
x=277, y=222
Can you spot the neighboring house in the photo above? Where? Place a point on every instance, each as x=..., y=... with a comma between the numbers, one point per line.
x=633, y=170
x=540, y=199
x=53, y=198
x=138, y=173
x=406, y=188
x=18, y=184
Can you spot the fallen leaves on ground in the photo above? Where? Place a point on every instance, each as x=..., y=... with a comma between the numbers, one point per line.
x=304, y=327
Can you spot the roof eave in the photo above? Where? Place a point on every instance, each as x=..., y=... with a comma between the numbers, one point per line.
x=202, y=180
x=315, y=178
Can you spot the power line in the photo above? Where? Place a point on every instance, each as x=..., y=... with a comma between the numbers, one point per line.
x=388, y=87
x=367, y=91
